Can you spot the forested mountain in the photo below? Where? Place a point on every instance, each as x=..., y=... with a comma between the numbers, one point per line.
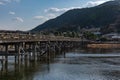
x=105, y=16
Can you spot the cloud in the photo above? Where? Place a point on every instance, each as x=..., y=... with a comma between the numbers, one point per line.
x=1, y=3
x=12, y=13
x=95, y=3
x=8, y=1
x=54, y=12
x=50, y=16
x=17, y=0
x=90, y=3
x=39, y=17
x=18, y=19
x=59, y=10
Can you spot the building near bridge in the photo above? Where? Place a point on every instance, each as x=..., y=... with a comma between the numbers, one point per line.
x=112, y=36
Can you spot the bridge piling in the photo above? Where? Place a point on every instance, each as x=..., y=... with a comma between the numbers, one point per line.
x=6, y=52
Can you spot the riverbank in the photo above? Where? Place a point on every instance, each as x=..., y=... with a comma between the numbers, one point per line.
x=103, y=45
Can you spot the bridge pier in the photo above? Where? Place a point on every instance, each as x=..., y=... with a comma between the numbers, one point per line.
x=17, y=51
x=25, y=51
x=6, y=52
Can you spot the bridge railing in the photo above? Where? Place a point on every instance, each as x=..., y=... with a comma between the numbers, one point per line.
x=36, y=38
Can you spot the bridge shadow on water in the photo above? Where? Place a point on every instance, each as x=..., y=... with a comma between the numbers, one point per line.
x=81, y=63
x=22, y=67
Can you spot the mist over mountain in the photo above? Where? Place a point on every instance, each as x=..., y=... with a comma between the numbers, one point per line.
x=105, y=16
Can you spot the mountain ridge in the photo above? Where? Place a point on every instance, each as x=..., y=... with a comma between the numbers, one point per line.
x=99, y=16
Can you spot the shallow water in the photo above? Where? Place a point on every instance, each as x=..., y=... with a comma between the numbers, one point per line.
x=73, y=65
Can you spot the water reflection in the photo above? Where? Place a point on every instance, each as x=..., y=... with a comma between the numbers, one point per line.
x=79, y=64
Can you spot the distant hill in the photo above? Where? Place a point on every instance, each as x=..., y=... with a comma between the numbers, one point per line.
x=104, y=16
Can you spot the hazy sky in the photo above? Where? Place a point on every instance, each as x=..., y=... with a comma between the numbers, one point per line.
x=27, y=14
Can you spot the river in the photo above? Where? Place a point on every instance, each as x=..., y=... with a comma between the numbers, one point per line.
x=77, y=64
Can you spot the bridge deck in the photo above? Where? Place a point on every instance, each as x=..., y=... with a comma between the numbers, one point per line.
x=38, y=40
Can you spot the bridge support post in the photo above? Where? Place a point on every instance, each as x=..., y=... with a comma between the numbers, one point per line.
x=37, y=50
x=6, y=51
x=25, y=50
x=34, y=51
x=54, y=52
x=48, y=51
x=5, y=60
x=17, y=49
x=29, y=50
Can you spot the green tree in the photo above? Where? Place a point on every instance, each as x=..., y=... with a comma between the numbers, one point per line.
x=90, y=36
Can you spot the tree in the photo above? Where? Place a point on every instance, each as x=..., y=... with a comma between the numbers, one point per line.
x=90, y=36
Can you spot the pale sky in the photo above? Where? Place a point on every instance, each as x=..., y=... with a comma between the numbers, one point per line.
x=27, y=14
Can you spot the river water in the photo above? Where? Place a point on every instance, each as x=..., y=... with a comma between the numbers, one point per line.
x=78, y=64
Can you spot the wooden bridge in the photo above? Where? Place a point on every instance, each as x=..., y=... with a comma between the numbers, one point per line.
x=35, y=46
x=13, y=46
x=7, y=45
